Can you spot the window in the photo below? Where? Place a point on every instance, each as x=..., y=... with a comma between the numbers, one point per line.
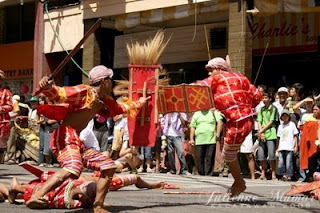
x=218, y=38
x=19, y=23
x=53, y=4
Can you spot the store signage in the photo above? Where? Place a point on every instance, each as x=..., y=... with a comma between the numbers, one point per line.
x=16, y=59
x=286, y=33
x=18, y=73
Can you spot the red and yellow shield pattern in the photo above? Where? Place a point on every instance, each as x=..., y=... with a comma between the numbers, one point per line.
x=184, y=98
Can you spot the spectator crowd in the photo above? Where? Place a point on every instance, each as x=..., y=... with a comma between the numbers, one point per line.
x=283, y=144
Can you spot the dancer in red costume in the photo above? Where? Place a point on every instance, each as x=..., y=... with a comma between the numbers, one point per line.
x=5, y=108
x=75, y=107
x=235, y=97
x=71, y=193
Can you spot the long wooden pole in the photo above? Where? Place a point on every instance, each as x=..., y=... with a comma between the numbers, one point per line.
x=144, y=105
x=207, y=41
x=39, y=60
x=130, y=83
x=156, y=94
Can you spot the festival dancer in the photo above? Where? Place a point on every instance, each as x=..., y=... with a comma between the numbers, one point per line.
x=5, y=107
x=234, y=97
x=75, y=107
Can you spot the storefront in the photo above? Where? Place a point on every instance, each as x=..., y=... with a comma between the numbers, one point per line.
x=289, y=43
x=283, y=30
x=16, y=60
x=195, y=36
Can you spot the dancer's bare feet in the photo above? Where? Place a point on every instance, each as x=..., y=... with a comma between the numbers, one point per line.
x=37, y=203
x=2, y=199
x=159, y=185
x=292, y=186
x=4, y=192
x=262, y=177
x=236, y=189
x=12, y=190
x=100, y=209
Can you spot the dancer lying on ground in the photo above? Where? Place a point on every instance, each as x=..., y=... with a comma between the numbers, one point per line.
x=78, y=193
x=129, y=158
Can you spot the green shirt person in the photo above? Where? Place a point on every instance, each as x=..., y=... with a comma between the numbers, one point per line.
x=204, y=127
x=267, y=118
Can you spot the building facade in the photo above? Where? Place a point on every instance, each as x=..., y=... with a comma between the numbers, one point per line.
x=281, y=40
x=16, y=46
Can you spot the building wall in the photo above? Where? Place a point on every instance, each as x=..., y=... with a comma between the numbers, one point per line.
x=240, y=40
x=68, y=23
x=181, y=47
x=2, y=25
x=95, y=9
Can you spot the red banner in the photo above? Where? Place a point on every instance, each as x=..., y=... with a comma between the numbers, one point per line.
x=143, y=127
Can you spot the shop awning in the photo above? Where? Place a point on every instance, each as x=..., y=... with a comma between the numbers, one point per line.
x=130, y=20
x=290, y=6
x=266, y=7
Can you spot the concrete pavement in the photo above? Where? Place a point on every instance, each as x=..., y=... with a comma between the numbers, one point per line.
x=260, y=196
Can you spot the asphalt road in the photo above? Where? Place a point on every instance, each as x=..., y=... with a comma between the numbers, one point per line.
x=260, y=196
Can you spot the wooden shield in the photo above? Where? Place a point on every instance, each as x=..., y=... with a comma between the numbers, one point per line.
x=143, y=81
x=184, y=98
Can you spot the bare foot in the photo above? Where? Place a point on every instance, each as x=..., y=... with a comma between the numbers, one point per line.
x=262, y=177
x=236, y=189
x=100, y=209
x=2, y=199
x=159, y=185
x=4, y=192
x=12, y=190
x=37, y=203
x=292, y=186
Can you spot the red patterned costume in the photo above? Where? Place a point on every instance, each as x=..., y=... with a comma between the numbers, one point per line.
x=59, y=198
x=5, y=108
x=65, y=142
x=235, y=97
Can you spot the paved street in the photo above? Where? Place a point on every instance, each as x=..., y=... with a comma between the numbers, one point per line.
x=261, y=196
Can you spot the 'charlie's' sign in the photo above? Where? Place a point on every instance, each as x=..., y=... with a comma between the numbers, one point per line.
x=290, y=32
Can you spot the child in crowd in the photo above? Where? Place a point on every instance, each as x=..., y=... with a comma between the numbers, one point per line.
x=287, y=145
x=267, y=120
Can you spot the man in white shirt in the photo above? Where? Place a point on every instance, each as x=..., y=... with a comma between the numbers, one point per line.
x=283, y=95
x=173, y=130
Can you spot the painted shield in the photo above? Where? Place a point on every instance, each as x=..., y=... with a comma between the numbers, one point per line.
x=185, y=98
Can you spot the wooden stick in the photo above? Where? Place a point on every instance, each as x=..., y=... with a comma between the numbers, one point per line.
x=193, y=193
x=130, y=83
x=156, y=93
x=144, y=105
x=207, y=41
x=92, y=29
